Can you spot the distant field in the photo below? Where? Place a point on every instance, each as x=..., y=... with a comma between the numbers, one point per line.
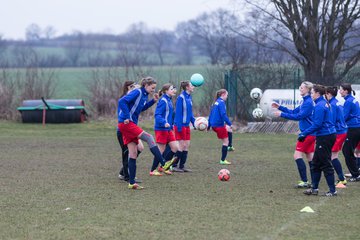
x=60, y=182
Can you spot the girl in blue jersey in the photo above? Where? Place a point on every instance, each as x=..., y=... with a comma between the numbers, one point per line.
x=164, y=127
x=124, y=173
x=130, y=106
x=352, y=120
x=303, y=114
x=183, y=117
x=324, y=129
x=341, y=129
x=218, y=120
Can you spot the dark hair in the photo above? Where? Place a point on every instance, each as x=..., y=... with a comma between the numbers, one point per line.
x=319, y=89
x=164, y=88
x=126, y=87
x=219, y=93
x=347, y=87
x=147, y=81
x=332, y=90
x=184, y=84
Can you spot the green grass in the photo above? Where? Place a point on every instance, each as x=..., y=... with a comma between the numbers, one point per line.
x=45, y=170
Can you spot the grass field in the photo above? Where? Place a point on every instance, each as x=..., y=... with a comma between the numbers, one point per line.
x=46, y=170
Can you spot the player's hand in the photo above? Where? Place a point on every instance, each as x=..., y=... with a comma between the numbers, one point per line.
x=275, y=105
x=126, y=121
x=167, y=125
x=156, y=97
x=277, y=114
x=301, y=138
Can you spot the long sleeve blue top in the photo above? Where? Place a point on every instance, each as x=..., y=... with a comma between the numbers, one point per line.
x=164, y=113
x=322, y=119
x=351, y=112
x=183, y=111
x=218, y=116
x=338, y=116
x=131, y=105
x=302, y=113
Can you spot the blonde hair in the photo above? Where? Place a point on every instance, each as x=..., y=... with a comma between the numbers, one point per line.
x=308, y=85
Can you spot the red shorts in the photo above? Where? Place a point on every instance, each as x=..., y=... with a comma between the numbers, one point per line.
x=221, y=132
x=358, y=146
x=307, y=146
x=164, y=137
x=130, y=132
x=340, y=139
x=184, y=134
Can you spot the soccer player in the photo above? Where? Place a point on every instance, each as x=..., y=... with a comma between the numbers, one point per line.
x=183, y=117
x=124, y=173
x=164, y=127
x=218, y=120
x=131, y=105
x=303, y=114
x=352, y=120
x=341, y=129
x=324, y=129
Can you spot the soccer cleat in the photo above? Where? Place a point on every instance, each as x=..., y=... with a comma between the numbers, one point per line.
x=168, y=172
x=302, y=184
x=168, y=164
x=311, y=191
x=354, y=179
x=160, y=169
x=225, y=162
x=330, y=194
x=342, y=182
x=348, y=175
x=231, y=149
x=135, y=186
x=155, y=173
x=186, y=169
x=121, y=177
x=176, y=169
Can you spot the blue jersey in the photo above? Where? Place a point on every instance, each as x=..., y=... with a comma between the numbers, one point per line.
x=131, y=105
x=164, y=113
x=322, y=119
x=183, y=112
x=302, y=113
x=338, y=116
x=218, y=116
x=351, y=112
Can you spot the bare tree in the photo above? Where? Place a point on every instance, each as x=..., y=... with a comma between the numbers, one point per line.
x=49, y=32
x=184, y=46
x=161, y=40
x=131, y=48
x=33, y=32
x=74, y=49
x=7, y=94
x=105, y=89
x=323, y=33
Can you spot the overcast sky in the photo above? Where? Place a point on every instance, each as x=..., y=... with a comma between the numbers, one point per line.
x=100, y=16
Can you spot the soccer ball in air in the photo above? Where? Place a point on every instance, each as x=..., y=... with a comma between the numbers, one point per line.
x=197, y=79
x=257, y=113
x=201, y=123
x=224, y=175
x=256, y=94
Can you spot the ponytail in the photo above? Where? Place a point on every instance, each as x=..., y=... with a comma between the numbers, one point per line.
x=219, y=93
x=165, y=87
